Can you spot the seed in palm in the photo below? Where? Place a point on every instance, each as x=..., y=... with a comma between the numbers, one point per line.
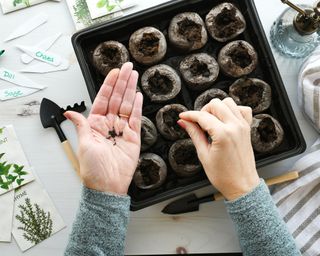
x=113, y=134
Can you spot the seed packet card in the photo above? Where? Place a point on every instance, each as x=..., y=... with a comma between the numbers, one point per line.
x=35, y=217
x=99, y=8
x=15, y=170
x=14, y=5
x=6, y=211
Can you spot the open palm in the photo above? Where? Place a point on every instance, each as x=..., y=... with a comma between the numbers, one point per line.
x=109, y=139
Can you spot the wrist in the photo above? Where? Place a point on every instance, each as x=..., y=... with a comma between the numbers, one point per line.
x=108, y=188
x=242, y=189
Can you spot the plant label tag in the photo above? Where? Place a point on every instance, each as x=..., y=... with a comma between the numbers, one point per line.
x=35, y=217
x=44, y=44
x=46, y=68
x=6, y=209
x=15, y=170
x=41, y=54
x=18, y=79
x=28, y=26
x=15, y=92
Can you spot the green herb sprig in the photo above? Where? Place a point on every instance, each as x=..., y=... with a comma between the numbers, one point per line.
x=25, y=2
x=108, y=5
x=36, y=223
x=16, y=175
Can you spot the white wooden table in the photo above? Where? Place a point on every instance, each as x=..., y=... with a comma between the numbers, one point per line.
x=150, y=232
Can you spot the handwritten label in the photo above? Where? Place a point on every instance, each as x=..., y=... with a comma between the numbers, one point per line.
x=18, y=79
x=15, y=92
x=40, y=54
x=44, y=57
x=8, y=75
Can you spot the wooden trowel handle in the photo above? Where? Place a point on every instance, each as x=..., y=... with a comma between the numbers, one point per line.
x=272, y=181
x=72, y=157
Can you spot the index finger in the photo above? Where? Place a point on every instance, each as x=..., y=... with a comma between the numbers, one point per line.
x=206, y=121
x=100, y=104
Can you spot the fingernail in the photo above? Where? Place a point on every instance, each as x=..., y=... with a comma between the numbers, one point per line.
x=181, y=114
x=66, y=114
x=181, y=124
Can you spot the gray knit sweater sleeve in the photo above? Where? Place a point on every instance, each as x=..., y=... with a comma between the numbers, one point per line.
x=260, y=228
x=100, y=226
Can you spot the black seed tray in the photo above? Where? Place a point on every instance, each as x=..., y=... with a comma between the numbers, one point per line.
x=85, y=41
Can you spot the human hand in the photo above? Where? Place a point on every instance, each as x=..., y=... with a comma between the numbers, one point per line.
x=228, y=160
x=109, y=139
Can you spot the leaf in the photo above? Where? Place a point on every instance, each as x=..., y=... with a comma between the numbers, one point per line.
x=1, y=131
x=5, y=186
x=1, y=155
x=19, y=181
x=23, y=173
x=6, y=169
x=101, y=3
x=110, y=7
x=15, y=2
x=11, y=177
x=17, y=168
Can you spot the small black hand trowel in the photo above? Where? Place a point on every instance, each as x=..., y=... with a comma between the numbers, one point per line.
x=51, y=115
x=190, y=203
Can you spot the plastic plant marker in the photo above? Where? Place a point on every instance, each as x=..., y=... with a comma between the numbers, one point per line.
x=42, y=55
x=28, y=26
x=44, y=44
x=18, y=79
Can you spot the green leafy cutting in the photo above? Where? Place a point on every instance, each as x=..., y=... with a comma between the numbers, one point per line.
x=36, y=223
x=8, y=177
x=25, y=2
x=82, y=14
x=108, y=5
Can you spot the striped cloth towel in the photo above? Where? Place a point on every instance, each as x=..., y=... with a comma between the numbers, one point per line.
x=299, y=202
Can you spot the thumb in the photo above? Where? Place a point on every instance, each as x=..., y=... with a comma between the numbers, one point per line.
x=81, y=124
x=197, y=136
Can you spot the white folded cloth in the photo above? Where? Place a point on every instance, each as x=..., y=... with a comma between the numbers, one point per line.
x=299, y=202
x=309, y=88
x=14, y=5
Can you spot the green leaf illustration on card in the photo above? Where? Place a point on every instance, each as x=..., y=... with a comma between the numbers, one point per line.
x=101, y=3
x=1, y=131
x=82, y=14
x=108, y=4
x=25, y=2
x=36, y=223
x=9, y=175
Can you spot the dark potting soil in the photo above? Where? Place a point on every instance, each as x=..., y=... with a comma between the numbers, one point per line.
x=249, y=94
x=160, y=84
x=149, y=171
x=170, y=118
x=189, y=29
x=267, y=130
x=228, y=23
x=110, y=55
x=240, y=56
x=149, y=44
x=198, y=68
x=186, y=155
